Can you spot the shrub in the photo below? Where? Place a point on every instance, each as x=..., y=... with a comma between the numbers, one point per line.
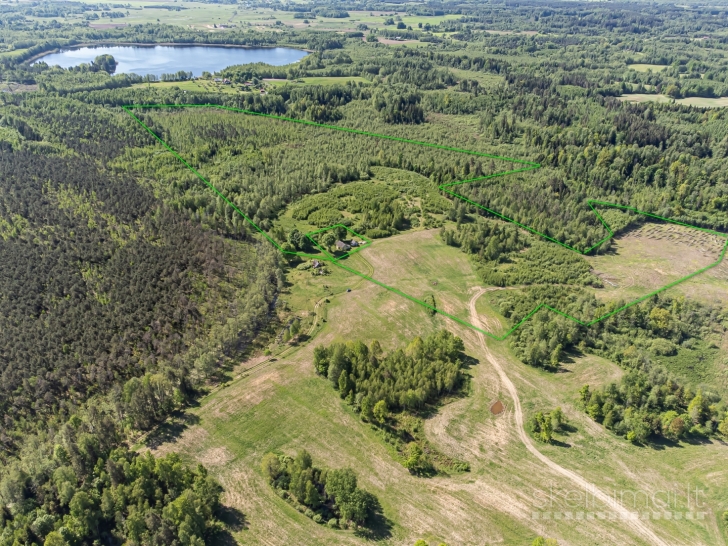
x=663, y=347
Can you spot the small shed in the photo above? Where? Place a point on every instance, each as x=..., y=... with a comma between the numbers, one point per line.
x=341, y=245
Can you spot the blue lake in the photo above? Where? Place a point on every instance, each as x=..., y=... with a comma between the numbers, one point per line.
x=160, y=60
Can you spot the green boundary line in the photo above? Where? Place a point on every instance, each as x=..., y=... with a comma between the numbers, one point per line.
x=526, y=166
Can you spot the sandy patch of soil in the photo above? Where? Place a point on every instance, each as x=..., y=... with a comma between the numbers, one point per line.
x=216, y=456
x=245, y=394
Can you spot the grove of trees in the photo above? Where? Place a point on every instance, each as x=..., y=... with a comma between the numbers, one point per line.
x=330, y=497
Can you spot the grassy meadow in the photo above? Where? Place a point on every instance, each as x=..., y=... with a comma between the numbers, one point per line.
x=283, y=407
x=702, y=102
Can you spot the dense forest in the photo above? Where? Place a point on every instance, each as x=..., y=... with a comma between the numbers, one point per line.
x=102, y=282
x=79, y=484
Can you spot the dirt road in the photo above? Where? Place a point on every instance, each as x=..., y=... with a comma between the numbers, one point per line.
x=627, y=517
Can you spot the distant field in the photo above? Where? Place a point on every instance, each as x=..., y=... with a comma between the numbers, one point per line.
x=327, y=80
x=645, y=67
x=192, y=86
x=489, y=81
x=210, y=16
x=212, y=87
x=508, y=32
x=12, y=54
x=408, y=43
x=721, y=102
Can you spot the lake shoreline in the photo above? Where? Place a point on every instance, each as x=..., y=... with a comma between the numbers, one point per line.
x=35, y=58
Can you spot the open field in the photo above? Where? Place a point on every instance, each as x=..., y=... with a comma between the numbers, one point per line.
x=217, y=17
x=487, y=81
x=324, y=80
x=285, y=407
x=192, y=86
x=388, y=41
x=209, y=86
x=655, y=255
x=12, y=87
x=647, y=67
x=420, y=264
x=721, y=102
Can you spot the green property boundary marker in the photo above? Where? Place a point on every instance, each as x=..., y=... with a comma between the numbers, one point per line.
x=526, y=166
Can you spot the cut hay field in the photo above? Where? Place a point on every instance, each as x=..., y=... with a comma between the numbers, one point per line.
x=323, y=80
x=701, y=102
x=655, y=255
x=647, y=67
x=420, y=265
x=193, y=86
x=505, y=497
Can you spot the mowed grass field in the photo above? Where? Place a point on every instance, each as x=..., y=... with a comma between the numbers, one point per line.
x=323, y=80
x=192, y=86
x=702, y=102
x=285, y=407
x=210, y=86
x=639, y=67
x=654, y=255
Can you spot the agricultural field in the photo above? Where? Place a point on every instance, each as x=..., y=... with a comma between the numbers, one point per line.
x=331, y=80
x=193, y=86
x=647, y=67
x=701, y=102
x=655, y=255
x=219, y=17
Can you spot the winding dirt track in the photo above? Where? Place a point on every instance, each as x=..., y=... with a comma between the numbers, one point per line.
x=626, y=515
